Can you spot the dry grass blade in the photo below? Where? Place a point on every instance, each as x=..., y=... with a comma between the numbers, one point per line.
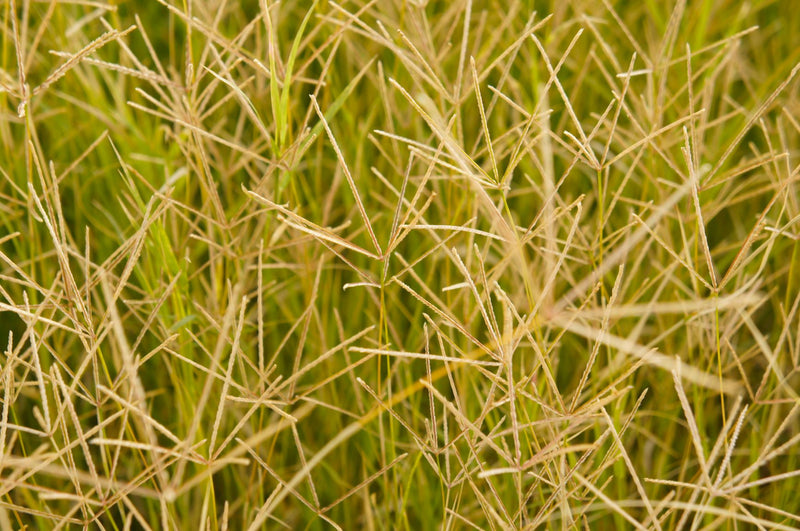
x=306, y=226
x=348, y=176
x=76, y=58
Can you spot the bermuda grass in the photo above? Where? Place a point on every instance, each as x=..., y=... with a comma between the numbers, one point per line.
x=399, y=264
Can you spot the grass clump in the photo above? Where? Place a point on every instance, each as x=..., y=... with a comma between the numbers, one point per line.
x=399, y=265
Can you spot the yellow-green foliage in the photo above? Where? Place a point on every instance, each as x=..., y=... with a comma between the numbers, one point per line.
x=399, y=264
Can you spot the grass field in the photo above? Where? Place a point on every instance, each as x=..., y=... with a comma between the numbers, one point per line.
x=399, y=264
